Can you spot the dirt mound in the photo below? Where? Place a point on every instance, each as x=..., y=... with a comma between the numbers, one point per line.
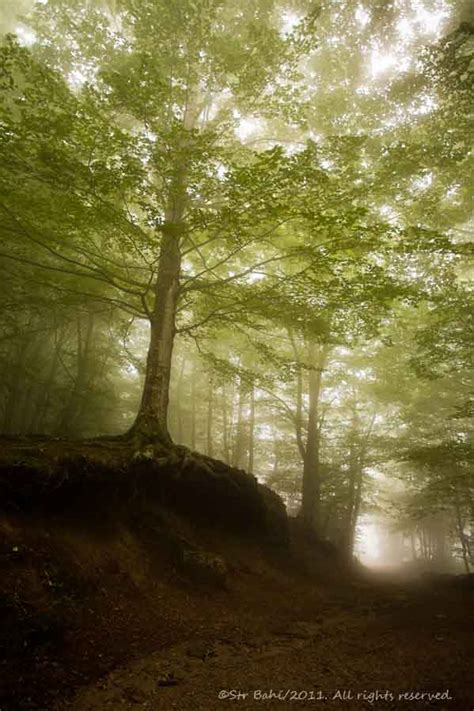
x=109, y=552
x=111, y=476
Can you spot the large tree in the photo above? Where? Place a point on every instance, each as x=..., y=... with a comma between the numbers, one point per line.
x=146, y=96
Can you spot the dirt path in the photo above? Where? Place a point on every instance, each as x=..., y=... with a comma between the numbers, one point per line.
x=359, y=651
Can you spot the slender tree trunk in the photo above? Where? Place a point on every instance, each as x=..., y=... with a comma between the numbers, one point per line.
x=251, y=430
x=462, y=537
x=326, y=521
x=193, y=409
x=71, y=414
x=239, y=442
x=439, y=540
x=275, y=455
x=14, y=386
x=358, y=478
x=42, y=404
x=179, y=396
x=24, y=410
x=311, y=467
x=348, y=533
x=210, y=415
x=431, y=544
x=298, y=420
x=424, y=543
x=426, y=536
x=46, y=404
x=225, y=427
x=356, y=503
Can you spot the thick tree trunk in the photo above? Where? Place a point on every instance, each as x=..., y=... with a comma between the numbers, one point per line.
x=151, y=422
x=152, y=419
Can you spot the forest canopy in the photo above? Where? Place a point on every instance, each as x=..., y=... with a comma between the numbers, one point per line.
x=246, y=227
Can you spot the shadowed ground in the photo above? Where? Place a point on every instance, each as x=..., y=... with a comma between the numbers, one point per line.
x=114, y=598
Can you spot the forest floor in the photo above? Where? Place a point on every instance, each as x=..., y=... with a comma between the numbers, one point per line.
x=378, y=645
x=98, y=615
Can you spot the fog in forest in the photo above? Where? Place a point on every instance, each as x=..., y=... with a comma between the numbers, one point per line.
x=236, y=338
x=263, y=212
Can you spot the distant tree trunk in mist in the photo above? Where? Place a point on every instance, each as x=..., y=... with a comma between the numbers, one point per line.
x=311, y=489
x=251, y=430
x=238, y=457
x=357, y=454
x=179, y=397
x=462, y=538
x=423, y=545
x=71, y=414
x=275, y=455
x=193, y=409
x=11, y=423
x=468, y=541
x=439, y=532
x=225, y=427
x=326, y=522
x=25, y=406
x=353, y=507
x=357, y=505
x=354, y=473
x=39, y=414
x=299, y=425
x=210, y=415
x=309, y=441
